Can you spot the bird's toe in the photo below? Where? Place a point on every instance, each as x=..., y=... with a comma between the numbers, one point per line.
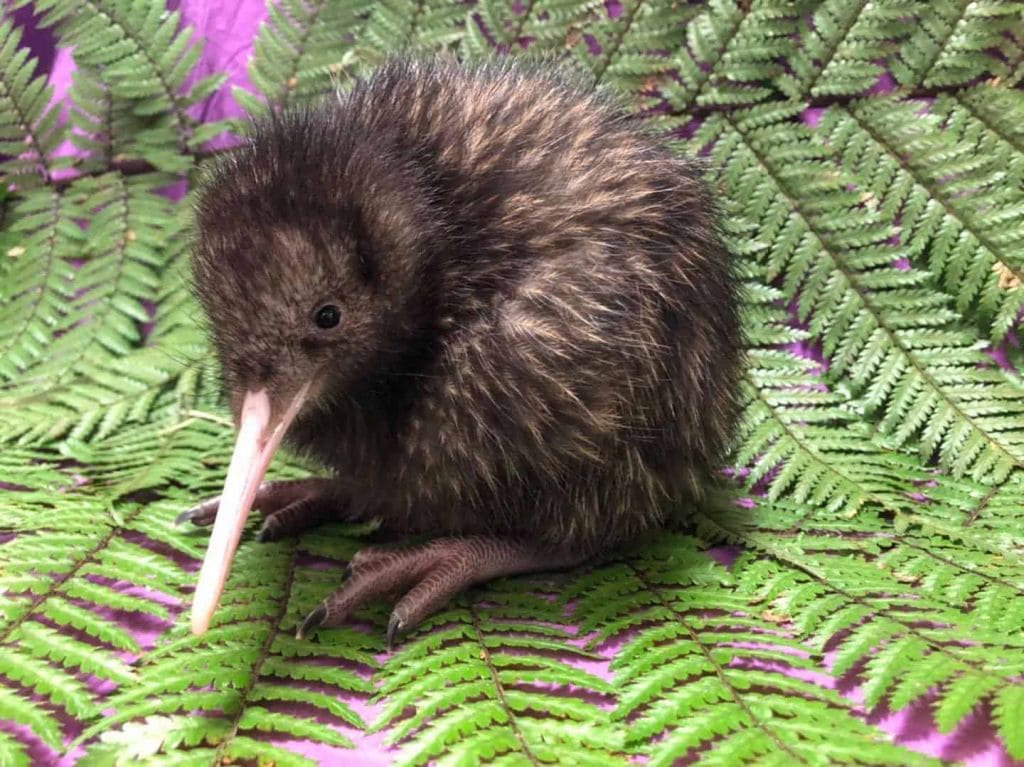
x=312, y=621
x=374, y=557
x=293, y=519
x=393, y=572
x=427, y=577
x=288, y=506
x=201, y=514
x=396, y=629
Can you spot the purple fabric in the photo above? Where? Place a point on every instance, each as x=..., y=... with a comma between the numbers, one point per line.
x=228, y=30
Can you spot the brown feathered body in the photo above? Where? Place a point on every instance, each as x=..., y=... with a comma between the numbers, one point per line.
x=539, y=331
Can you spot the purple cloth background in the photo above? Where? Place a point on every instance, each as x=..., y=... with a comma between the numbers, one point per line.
x=228, y=30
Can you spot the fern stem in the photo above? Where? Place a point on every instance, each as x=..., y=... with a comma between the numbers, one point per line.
x=982, y=505
x=178, y=114
x=300, y=51
x=941, y=46
x=517, y=30
x=55, y=585
x=485, y=656
x=274, y=627
x=710, y=658
x=51, y=257
x=966, y=104
x=213, y=417
x=909, y=627
x=108, y=103
x=834, y=48
x=705, y=72
x=817, y=457
x=958, y=566
x=135, y=167
x=613, y=49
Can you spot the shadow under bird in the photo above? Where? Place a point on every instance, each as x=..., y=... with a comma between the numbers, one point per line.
x=496, y=312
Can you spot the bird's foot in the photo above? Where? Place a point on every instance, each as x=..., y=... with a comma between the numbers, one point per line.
x=288, y=507
x=430, y=575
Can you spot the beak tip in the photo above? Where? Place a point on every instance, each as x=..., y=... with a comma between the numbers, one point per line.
x=200, y=623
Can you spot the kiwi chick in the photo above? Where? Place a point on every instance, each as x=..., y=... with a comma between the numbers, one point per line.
x=488, y=304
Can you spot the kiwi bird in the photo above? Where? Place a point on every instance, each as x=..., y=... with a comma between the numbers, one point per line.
x=494, y=309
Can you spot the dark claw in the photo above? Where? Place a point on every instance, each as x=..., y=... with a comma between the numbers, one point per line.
x=313, y=620
x=189, y=515
x=395, y=626
x=265, y=535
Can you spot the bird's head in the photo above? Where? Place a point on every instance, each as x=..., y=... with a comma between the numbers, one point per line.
x=311, y=262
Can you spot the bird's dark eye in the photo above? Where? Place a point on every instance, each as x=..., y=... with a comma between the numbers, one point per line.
x=327, y=316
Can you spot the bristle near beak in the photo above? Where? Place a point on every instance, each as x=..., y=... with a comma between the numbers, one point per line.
x=257, y=441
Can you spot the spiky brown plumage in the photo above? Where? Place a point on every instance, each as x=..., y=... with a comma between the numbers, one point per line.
x=539, y=334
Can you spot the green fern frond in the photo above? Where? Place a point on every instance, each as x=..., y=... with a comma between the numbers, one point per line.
x=109, y=133
x=917, y=555
x=145, y=386
x=58, y=571
x=145, y=57
x=953, y=42
x=612, y=602
x=807, y=441
x=827, y=457
x=303, y=50
x=956, y=207
x=124, y=252
x=888, y=335
x=867, y=605
x=503, y=23
x=550, y=25
x=16, y=708
x=841, y=44
x=479, y=686
x=12, y=751
x=248, y=661
x=29, y=130
x=1013, y=51
x=36, y=276
x=697, y=674
x=990, y=119
x=307, y=49
x=628, y=52
x=951, y=573
x=411, y=25
x=40, y=679
x=980, y=516
x=732, y=52
x=94, y=377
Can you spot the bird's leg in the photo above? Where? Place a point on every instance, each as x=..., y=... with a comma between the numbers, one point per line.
x=430, y=575
x=288, y=507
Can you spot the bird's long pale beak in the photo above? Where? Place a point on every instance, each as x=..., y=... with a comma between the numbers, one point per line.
x=259, y=435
